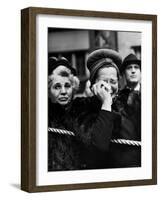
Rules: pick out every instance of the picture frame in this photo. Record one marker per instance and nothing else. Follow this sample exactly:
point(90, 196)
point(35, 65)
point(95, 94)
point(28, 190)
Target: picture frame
point(30, 43)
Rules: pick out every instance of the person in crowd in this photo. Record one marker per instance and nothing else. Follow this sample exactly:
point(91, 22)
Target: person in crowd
point(130, 96)
point(62, 84)
point(128, 104)
point(91, 132)
point(104, 65)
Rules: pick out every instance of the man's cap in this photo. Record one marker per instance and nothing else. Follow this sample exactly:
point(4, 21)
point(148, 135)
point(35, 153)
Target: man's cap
point(100, 58)
point(130, 59)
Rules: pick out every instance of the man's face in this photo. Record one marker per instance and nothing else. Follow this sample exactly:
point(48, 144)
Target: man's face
point(61, 90)
point(109, 75)
point(133, 73)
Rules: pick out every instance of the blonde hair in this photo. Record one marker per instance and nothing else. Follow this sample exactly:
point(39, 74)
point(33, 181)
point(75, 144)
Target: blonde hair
point(64, 72)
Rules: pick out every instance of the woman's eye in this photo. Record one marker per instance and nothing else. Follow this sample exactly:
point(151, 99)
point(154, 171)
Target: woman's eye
point(113, 82)
point(67, 85)
point(57, 87)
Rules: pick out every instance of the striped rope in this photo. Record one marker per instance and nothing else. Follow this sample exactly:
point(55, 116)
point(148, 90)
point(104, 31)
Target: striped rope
point(61, 131)
point(128, 142)
point(117, 141)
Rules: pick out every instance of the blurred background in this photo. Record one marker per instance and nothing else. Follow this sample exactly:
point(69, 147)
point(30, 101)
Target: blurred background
point(76, 44)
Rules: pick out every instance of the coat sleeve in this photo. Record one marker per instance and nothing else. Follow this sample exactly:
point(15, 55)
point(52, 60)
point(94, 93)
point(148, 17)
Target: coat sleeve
point(102, 129)
point(95, 127)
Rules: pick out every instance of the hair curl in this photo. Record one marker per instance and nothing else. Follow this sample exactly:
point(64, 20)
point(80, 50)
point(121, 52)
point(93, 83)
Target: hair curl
point(65, 73)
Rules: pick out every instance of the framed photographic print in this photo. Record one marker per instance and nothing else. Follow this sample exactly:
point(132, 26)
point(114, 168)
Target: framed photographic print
point(88, 99)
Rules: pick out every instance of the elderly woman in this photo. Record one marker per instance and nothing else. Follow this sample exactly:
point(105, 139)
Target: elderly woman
point(104, 67)
point(62, 84)
point(92, 131)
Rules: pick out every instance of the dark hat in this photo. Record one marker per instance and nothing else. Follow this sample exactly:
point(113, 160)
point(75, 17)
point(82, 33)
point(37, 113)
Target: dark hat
point(101, 57)
point(130, 59)
point(54, 62)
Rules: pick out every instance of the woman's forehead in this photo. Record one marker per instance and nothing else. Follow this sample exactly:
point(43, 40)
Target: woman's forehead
point(60, 79)
point(107, 72)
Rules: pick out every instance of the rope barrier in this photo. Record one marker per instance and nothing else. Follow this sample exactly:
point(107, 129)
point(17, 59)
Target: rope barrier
point(128, 142)
point(117, 141)
point(61, 131)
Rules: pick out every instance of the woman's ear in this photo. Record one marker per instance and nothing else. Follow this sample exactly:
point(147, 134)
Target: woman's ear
point(88, 89)
point(76, 83)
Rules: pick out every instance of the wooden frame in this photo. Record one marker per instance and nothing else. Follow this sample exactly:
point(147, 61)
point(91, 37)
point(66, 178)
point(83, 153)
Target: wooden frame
point(28, 98)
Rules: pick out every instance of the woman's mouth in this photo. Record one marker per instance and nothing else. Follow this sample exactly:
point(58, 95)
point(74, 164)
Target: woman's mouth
point(63, 99)
point(133, 76)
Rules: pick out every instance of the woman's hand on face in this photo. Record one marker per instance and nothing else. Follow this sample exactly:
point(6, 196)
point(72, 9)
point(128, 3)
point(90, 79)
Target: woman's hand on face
point(103, 91)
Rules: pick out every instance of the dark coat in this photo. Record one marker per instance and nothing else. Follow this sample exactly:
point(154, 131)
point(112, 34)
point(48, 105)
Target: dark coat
point(128, 104)
point(63, 149)
point(93, 128)
point(126, 111)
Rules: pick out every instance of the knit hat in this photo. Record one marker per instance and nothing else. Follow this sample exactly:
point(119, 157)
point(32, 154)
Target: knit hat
point(101, 58)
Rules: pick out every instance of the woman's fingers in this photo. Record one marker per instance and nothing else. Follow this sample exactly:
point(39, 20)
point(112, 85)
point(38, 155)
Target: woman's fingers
point(101, 85)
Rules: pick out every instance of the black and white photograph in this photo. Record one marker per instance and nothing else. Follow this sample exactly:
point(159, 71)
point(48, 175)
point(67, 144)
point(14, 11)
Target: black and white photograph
point(91, 86)
point(94, 99)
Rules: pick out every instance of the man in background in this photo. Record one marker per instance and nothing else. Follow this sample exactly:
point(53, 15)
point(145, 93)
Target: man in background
point(130, 96)
point(128, 104)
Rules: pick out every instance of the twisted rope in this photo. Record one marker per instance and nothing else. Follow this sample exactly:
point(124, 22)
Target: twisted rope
point(61, 131)
point(128, 142)
point(117, 141)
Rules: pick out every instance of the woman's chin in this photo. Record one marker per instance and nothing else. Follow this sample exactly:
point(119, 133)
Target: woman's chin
point(63, 103)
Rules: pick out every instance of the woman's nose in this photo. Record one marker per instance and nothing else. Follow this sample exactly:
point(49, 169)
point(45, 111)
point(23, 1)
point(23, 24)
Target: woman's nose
point(63, 90)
